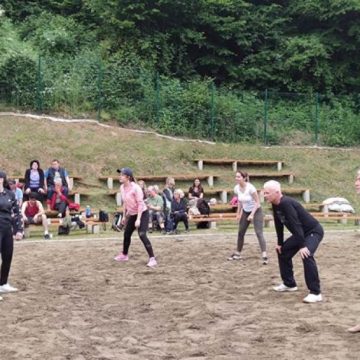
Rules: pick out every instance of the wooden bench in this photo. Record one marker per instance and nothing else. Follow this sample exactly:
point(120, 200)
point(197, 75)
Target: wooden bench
point(72, 179)
point(224, 192)
point(161, 178)
point(339, 217)
point(225, 217)
point(235, 163)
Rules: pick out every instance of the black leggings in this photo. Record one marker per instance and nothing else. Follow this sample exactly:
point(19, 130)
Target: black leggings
point(7, 249)
point(129, 229)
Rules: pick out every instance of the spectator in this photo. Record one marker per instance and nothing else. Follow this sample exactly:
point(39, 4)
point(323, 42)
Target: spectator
point(58, 200)
point(168, 194)
point(54, 173)
point(178, 210)
point(143, 187)
point(17, 191)
point(155, 204)
point(196, 191)
point(33, 213)
point(34, 179)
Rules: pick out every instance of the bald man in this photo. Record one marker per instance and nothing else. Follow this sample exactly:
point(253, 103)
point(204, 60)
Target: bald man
point(356, 328)
point(306, 234)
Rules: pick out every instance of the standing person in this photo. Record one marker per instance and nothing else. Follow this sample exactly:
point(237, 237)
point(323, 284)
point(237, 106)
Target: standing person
point(9, 217)
point(249, 210)
point(168, 194)
point(305, 239)
point(136, 215)
point(356, 328)
point(34, 179)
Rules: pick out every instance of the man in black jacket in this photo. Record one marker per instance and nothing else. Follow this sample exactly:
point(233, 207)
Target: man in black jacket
point(306, 236)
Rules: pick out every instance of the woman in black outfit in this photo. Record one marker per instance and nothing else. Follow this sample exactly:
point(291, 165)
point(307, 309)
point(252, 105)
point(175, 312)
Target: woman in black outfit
point(9, 216)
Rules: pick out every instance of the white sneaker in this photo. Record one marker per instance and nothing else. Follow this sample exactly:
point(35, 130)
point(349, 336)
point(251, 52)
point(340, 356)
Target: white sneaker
point(312, 298)
point(1, 298)
point(284, 288)
point(152, 262)
point(7, 288)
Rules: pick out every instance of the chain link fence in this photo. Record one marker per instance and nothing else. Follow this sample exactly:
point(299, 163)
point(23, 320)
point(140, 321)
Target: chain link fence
point(134, 96)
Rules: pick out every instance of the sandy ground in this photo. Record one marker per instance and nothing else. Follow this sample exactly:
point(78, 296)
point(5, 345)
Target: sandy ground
point(75, 302)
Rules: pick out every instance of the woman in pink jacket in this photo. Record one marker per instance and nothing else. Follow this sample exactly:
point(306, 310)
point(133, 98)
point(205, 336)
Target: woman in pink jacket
point(136, 215)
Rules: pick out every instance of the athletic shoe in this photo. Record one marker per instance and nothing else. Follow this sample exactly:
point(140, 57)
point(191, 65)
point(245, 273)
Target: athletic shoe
point(150, 230)
point(312, 298)
point(46, 237)
point(152, 262)
point(1, 298)
point(235, 256)
point(354, 329)
point(284, 288)
point(7, 288)
point(121, 257)
point(265, 260)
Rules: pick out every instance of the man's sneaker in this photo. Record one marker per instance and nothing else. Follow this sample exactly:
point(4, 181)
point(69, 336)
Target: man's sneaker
point(235, 256)
point(121, 257)
point(312, 298)
point(7, 288)
point(284, 288)
point(265, 260)
point(152, 262)
point(46, 237)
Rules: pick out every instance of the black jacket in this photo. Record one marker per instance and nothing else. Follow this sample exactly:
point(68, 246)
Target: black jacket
point(10, 215)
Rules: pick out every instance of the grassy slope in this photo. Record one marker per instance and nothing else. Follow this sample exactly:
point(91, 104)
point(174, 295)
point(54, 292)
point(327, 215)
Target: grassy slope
point(89, 150)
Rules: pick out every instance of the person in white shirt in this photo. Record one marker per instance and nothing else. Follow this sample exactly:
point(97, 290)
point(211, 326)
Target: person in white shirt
point(249, 210)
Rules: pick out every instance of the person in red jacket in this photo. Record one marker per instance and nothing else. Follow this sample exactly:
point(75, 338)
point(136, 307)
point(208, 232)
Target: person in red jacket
point(58, 200)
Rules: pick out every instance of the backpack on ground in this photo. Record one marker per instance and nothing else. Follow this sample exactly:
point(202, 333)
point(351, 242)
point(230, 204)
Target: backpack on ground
point(116, 223)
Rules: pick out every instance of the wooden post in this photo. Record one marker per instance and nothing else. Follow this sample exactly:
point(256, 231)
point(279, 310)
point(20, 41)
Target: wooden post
point(110, 183)
point(279, 165)
point(210, 180)
point(234, 166)
point(200, 165)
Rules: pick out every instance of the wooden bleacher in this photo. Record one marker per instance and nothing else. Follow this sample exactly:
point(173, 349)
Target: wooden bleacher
point(161, 178)
point(236, 163)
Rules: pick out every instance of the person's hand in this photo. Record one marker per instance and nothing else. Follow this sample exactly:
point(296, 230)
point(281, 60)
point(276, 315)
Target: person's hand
point(18, 236)
point(278, 249)
point(238, 216)
point(41, 191)
point(304, 252)
point(250, 218)
point(25, 218)
point(137, 223)
point(27, 191)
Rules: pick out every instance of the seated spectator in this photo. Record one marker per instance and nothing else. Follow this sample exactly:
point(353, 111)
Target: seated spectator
point(155, 204)
point(142, 185)
point(34, 180)
point(196, 192)
point(54, 173)
point(33, 213)
point(178, 210)
point(17, 191)
point(58, 199)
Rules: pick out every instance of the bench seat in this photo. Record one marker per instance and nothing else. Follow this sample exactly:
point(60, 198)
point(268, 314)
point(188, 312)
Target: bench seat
point(235, 163)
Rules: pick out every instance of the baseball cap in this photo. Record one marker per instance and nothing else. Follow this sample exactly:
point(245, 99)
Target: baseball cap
point(125, 171)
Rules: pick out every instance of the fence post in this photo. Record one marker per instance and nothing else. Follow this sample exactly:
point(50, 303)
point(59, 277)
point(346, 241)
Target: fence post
point(317, 118)
point(212, 113)
point(39, 99)
point(99, 91)
point(157, 98)
point(266, 95)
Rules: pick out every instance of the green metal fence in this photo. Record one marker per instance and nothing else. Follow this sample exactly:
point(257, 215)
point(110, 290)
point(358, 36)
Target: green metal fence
point(88, 87)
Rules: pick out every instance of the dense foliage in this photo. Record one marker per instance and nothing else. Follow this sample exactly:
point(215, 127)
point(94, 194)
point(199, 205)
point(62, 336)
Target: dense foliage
point(156, 63)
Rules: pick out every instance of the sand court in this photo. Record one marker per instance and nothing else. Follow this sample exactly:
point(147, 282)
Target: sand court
point(76, 303)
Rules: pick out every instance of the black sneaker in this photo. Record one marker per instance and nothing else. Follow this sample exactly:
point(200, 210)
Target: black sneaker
point(46, 237)
point(265, 260)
